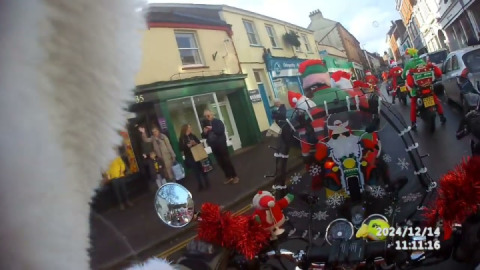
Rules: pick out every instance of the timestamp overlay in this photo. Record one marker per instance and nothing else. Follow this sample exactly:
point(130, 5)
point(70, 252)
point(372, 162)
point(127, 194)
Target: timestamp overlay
point(408, 232)
point(417, 245)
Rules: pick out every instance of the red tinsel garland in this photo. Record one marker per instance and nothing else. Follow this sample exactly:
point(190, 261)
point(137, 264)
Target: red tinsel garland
point(241, 233)
point(458, 196)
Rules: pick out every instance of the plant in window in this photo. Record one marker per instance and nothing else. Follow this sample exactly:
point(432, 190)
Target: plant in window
point(292, 38)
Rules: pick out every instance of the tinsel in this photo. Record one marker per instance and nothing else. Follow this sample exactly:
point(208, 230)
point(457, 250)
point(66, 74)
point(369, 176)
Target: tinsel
point(458, 196)
point(241, 233)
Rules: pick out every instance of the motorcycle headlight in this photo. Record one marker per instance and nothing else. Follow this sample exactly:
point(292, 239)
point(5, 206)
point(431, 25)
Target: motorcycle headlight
point(349, 163)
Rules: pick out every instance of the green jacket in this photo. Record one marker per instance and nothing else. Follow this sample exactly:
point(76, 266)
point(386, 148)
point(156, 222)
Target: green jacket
point(413, 63)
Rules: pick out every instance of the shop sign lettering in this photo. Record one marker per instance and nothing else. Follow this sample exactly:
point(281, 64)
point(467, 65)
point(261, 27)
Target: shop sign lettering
point(139, 98)
point(255, 96)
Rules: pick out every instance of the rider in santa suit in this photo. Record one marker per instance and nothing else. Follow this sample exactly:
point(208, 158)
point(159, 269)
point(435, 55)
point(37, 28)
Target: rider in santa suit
point(395, 74)
point(416, 62)
point(371, 79)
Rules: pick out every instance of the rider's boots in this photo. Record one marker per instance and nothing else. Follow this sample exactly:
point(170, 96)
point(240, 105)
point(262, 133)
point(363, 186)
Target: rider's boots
point(443, 119)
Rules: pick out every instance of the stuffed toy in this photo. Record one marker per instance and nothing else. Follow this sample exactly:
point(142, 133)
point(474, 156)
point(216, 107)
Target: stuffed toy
point(269, 213)
point(342, 80)
point(299, 101)
point(67, 73)
point(376, 229)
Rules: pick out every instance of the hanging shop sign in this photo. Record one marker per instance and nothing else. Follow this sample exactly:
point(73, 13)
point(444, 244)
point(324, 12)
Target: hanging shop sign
point(283, 67)
point(255, 96)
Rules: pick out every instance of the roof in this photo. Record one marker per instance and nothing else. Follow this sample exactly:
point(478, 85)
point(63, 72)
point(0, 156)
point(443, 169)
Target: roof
point(185, 15)
point(209, 9)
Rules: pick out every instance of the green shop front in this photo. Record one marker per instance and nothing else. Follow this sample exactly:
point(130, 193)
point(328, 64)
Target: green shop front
point(169, 105)
point(284, 76)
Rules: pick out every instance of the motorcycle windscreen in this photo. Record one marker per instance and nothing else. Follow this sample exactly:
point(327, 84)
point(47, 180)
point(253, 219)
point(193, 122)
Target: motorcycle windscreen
point(358, 168)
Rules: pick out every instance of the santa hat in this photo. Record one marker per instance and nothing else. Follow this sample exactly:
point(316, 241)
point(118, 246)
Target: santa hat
point(293, 98)
point(338, 75)
point(313, 71)
point(368, 73)
point(263, 200)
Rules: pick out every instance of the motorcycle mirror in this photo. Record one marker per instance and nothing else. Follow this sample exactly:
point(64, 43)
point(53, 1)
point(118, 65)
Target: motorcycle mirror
point(174, 205)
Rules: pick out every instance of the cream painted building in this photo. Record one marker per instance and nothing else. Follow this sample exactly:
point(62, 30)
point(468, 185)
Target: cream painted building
point(270, 63)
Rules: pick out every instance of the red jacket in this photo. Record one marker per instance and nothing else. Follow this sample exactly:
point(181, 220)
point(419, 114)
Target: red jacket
point(371, 79)
point(395, 73)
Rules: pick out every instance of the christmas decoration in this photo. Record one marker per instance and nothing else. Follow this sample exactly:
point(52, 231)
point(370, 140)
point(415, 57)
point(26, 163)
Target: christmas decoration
point(411, 197)
point(241, 233)
point(391, 210)
point(320, 215)
point(268, 212)
point(296, 178)
point(458, 196)
point(298, 214)
point(317, 235)
point(292, 232)
point(299, 101)
point(387, 158)
point(342, 80)
point(335, 200)
point(315, 170)
point(377, 192)
point(403, 164)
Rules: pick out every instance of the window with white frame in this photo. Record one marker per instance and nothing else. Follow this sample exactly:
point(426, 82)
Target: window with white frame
point(307, 44)
point(299, 48)
point(188, 48)
point(251, 32)
point(272, 35)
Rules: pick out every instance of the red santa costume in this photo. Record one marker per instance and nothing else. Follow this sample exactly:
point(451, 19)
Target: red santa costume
point(269, 212)
point(371, 79)
point(395, 74)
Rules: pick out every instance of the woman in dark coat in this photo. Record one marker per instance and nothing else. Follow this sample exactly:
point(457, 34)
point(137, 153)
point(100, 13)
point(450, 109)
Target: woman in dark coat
point(187, 140)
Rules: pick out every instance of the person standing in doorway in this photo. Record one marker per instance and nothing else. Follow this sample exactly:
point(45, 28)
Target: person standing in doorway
point(163, 149)
point(116, 174)
point(214, 132)
point(188, 140)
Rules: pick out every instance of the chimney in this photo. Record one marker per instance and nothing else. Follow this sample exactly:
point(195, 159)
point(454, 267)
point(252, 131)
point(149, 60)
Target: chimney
point(316, 14)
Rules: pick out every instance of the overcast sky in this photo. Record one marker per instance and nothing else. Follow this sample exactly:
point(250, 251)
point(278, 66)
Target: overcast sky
point(357, 16)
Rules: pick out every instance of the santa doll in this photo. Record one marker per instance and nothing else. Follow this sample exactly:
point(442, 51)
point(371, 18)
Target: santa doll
point(269, 212)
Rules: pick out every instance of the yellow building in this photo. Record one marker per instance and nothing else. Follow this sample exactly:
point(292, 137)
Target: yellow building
point(269, 61)
point(190, 64)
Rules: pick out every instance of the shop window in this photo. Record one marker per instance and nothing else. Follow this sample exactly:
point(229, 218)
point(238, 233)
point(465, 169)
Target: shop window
point(283, 85)
point(182, 112)
point(251, 33)
point(272, 35)
point(307, 44)
point(189, 49)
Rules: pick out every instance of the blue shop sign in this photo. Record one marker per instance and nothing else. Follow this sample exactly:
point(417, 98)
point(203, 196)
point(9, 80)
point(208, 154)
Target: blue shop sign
point(283, 67)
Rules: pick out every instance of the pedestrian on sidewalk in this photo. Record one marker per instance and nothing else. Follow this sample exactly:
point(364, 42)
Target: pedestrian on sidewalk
point(214, 132)
point(279, 115)
point(116, 175)
point(187, 140)
point(156, 169)
point(163, 149)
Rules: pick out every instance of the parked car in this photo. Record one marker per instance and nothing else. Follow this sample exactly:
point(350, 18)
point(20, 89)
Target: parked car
point(437, 58)
point(456, 63)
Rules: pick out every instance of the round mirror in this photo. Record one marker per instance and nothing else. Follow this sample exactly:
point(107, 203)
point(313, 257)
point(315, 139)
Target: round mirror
point(174, 205)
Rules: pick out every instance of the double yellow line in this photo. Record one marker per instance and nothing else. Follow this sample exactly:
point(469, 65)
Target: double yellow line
point(182, 244)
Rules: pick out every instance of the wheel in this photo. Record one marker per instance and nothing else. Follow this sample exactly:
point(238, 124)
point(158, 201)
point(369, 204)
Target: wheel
point(354, 189)
point(432, 122)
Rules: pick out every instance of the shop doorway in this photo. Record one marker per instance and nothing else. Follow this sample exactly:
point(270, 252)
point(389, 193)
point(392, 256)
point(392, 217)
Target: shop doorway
point(231, 129)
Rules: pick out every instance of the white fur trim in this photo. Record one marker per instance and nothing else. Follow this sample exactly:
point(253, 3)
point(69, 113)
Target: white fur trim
point(153, 264)
point(257, 197)
point(294, 100)
point(271, 204)
point(67, 73)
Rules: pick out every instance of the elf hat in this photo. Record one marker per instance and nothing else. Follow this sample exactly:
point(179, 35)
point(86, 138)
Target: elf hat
point(263, 199)
point(314, 72)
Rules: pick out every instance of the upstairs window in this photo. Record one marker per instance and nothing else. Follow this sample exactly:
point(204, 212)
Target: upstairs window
point(272, 35)
point(188, 48)
point(307, 44)
point(251, 33)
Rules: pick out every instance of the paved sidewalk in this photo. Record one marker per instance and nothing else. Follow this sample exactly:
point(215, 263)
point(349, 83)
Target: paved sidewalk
point(138, 228)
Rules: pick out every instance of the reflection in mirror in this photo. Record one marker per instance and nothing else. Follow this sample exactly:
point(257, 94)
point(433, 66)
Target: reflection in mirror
point(174, 205)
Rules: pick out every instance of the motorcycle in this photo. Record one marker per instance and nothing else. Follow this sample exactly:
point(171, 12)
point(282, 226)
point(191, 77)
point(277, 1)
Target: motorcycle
point(403, 247)
point(426, 107)
point(402, 93)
